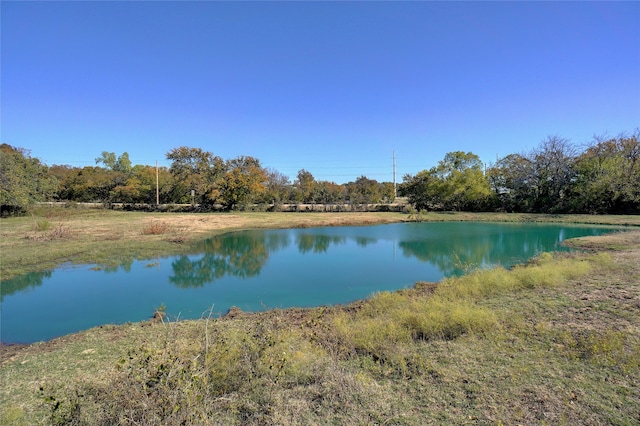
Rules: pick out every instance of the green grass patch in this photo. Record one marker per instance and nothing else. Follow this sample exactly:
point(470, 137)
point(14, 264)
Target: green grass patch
point(389, 321)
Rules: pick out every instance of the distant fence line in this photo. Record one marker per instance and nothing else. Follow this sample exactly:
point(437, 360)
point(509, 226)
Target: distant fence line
point(298, 207)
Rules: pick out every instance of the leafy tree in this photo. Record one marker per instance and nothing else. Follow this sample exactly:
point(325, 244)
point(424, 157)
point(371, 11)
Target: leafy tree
point(197, 170)
point(421, 190)
point(305, 185)
point(630, 150)
point(64, 175)
point(387, 191)
point(456, 183)
point(364, 191)
point(243, 183)
point(23, 180)
point(117, 164)
point(608, 176)
point(91, 184)
point(132, 191)
point(329, 192)
point(463, 185)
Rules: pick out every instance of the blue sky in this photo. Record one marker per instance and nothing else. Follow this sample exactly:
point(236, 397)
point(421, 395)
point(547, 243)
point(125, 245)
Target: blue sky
point(331, 87)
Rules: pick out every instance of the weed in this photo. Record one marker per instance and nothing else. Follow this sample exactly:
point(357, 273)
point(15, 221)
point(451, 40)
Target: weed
point(608, 347)
point(160, 313)
point(42, 225)
point(155, 227)
point(61, 232)
point(13, 416)
point(416, 215)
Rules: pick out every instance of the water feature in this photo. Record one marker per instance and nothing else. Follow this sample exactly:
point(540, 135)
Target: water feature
point(256, 270)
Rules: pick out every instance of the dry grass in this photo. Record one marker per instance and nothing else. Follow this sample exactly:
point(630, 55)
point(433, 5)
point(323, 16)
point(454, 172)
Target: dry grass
point(155, 227)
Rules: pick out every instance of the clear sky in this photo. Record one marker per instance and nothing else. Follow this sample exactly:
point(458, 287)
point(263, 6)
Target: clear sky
point(332, 87)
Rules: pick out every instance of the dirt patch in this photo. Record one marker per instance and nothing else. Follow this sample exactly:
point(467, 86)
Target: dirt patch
point(9, 353)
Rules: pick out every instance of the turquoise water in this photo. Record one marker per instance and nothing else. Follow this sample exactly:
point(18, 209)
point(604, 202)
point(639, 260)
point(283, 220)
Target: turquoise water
point(257, 270)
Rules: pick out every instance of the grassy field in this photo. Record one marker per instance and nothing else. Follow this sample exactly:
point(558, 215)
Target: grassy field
point(556, 341)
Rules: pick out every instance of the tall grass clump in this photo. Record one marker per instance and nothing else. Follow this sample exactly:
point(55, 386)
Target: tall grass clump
point(387, 323)
point(477, 284)
point(155, 227)
point(547, 270)
point(42, 225)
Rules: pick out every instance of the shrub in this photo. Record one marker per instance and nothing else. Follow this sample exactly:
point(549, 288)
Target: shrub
point(292, 360)
point(42, 225)
point(155, 227)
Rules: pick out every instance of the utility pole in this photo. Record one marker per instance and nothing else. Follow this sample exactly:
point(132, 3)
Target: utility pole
point(157, 186)
point(394, 174)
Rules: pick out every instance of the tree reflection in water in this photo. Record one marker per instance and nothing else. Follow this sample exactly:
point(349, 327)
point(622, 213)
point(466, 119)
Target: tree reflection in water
point(22, 283)
point(317, 243)
point(453, 248)
point(240, 255)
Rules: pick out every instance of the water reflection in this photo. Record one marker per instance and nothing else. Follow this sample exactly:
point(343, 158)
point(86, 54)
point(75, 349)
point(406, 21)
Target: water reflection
point(23, 283)
point(256, 270)
point(239, 255)
point(456, 248)
point(451, 247)
point(317, 243)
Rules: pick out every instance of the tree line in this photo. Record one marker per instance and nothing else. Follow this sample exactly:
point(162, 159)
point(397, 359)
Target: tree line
point(555, 177)
point(195, 176)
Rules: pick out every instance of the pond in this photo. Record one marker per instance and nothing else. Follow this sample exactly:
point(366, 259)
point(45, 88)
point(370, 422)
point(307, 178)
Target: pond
point(264, 269)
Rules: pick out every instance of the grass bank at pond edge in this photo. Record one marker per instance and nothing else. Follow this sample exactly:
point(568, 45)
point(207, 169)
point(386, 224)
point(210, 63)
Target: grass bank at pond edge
point(555, 341)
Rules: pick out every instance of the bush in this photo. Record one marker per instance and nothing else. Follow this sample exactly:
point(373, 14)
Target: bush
point(155, 227)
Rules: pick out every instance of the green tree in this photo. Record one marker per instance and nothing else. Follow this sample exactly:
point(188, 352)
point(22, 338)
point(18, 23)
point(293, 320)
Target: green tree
point(421, 189)
point(608, 176)
point(244, 182)
point(329, 192)
point(512, 180)
point(458, 182)
point(463, 185)
point(305, 185)
point(387, 191)
point(197, 170)
point(64, 175)
point(23, 180)
point(364, 191)
point(91, 184)
point(117, 164)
